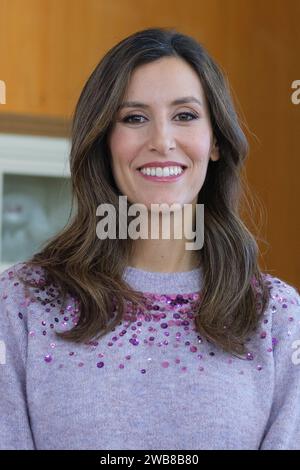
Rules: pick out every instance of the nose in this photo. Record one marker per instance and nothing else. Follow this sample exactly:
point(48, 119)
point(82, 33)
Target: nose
point(161, 138)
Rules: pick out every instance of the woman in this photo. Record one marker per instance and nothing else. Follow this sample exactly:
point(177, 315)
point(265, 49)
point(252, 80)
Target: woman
point(141, 343)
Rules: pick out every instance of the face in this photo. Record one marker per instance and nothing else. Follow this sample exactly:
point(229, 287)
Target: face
point(156, 131)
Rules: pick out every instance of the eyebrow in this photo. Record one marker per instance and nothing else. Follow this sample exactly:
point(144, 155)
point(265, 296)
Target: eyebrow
point(138, 104)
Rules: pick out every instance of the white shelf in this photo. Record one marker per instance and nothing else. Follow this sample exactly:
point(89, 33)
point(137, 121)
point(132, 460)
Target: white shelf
point(35, 193)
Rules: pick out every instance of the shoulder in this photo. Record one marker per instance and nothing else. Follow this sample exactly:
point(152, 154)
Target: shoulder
point(283, 312)
point(11, 286)
point(284, 298)
point(15, 278)
point(20, 285)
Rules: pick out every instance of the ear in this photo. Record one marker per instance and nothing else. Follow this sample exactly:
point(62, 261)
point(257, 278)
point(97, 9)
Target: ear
point(215, 154)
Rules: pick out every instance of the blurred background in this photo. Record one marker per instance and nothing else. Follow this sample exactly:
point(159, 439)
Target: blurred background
point(48, 48)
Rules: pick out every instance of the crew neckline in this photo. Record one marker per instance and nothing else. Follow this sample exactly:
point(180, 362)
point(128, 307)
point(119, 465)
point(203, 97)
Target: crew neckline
point(183, 282)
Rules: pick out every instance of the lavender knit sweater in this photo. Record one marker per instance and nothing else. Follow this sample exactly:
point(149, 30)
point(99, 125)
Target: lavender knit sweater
point(153, 384)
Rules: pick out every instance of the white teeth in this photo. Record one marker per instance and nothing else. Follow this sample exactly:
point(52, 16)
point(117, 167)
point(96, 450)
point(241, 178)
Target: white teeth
point(166, 171)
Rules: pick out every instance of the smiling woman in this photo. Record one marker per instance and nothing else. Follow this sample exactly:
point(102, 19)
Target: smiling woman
point(163, 124)
point(153, 346)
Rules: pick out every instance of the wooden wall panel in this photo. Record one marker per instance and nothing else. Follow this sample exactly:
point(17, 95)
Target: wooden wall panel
point(48, 48)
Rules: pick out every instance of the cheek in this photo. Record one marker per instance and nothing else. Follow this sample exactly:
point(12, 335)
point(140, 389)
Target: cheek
point(199, 151)
point(197, 144)
point(122, 147)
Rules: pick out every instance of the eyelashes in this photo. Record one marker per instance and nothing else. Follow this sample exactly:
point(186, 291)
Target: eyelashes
point(131, 116)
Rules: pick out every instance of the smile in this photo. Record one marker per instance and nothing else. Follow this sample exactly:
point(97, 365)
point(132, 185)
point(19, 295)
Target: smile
point(166, 174)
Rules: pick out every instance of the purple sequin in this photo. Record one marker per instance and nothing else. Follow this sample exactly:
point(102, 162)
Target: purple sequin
point(166, 322)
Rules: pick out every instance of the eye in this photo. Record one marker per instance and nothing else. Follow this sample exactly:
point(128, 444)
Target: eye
point(135, 118)
point(131, 116)
point(192, 115)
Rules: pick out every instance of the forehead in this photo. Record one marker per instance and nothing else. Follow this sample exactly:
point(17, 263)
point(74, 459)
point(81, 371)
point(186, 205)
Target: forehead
point(169, 77)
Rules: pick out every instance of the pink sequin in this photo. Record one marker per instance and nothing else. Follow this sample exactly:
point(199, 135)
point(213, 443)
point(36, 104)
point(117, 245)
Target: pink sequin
point(166, 322)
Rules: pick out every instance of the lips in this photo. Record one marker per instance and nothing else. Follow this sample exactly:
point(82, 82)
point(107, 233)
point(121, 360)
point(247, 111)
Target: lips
point(151, 165)
point(162, 179)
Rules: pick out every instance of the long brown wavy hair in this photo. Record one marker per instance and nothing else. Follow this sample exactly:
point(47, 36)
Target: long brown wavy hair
point(234, 292)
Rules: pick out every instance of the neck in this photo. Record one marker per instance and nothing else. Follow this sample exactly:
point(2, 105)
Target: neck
point(166, 251)
point(164, 256)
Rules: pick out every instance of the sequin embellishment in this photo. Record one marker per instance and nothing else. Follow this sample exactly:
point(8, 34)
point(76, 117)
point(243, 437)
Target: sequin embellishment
point(166, 323)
